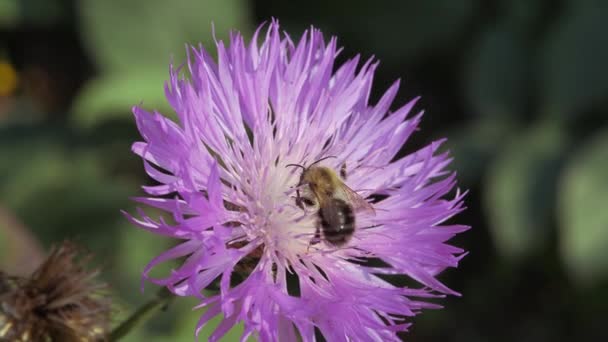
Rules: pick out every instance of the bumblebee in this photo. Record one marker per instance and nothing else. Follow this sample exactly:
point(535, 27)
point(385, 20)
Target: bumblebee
point(336, 202)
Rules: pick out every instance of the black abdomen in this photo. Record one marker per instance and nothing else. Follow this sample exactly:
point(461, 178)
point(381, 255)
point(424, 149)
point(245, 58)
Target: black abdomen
point(337, 222)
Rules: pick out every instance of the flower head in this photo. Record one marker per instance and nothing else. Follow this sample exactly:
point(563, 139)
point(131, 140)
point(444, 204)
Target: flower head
point(60, 301)
point(239, 208)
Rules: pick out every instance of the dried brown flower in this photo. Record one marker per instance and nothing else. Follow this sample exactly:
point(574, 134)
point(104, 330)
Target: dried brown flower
point(60, 301)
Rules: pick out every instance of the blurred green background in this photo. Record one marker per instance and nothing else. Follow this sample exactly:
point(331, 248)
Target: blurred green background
point(519, 87)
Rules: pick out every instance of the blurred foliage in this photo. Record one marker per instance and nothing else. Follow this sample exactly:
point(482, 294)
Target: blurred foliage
point(44, 174)
point(134, 61)
point(15, 13)
point(583, 215)
point(107, 96)
point(498, 81)
point(473, 146)
point(519, 182)
point(519, 87)
point(573, 62)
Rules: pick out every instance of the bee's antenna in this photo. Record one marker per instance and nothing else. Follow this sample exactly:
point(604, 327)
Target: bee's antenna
point(322, 159)
point(298, 165)
point(318, 161)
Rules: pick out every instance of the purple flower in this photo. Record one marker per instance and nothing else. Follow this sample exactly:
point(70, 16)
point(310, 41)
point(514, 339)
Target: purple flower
point(224, 177)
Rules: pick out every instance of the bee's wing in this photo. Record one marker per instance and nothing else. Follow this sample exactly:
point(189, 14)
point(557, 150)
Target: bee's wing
point(357, 201)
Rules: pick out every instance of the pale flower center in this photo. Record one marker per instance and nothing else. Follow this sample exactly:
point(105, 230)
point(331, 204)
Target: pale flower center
point(284, 226)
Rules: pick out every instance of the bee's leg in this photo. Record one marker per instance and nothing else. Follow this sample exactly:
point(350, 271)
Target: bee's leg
point(303, 202)
point(343, 171)
point(299, 201)
point(315, 240)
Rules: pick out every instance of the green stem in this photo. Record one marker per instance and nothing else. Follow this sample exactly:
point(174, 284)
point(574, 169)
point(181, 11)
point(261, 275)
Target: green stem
point(162, 299)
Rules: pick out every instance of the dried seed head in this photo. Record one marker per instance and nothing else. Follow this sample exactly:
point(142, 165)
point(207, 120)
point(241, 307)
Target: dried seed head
point(60, 301)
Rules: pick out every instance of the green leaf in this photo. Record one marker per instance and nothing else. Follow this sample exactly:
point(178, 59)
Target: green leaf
point(497, 79)
point(574, 69)
point(45, 167)
point(9, 13)
point(59, 194)
point(520, 189)
point(583, 218)
point(474, 145)
point(124, 34)
point(14, 13)
point(112, 95)
point(133, 43)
